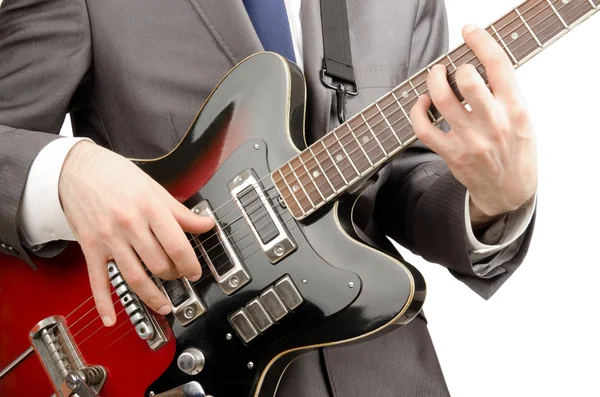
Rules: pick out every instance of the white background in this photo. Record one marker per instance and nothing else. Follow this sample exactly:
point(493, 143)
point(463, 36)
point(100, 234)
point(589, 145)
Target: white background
point(539, 335)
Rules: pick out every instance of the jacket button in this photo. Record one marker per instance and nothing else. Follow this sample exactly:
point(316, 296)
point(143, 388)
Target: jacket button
point(2, 245)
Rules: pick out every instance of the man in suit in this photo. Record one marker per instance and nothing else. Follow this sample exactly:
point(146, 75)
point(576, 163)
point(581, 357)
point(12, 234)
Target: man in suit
point(133, 74)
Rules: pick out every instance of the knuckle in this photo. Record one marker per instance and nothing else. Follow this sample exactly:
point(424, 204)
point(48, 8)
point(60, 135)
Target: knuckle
point(96, 282)
point(443, 100)
point(175, 249)
point(467, 78)
point(135, 279)
point(161, 269)
point(87, 238)
point(105, 230)
point(481, 149)
point(123, 217)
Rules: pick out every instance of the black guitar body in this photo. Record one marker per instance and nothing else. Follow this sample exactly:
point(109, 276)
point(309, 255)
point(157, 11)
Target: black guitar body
point(253, 120)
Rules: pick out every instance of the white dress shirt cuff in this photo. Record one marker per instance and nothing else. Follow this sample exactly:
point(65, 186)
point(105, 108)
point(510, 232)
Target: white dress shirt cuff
point(513, 226)
point(41, 217)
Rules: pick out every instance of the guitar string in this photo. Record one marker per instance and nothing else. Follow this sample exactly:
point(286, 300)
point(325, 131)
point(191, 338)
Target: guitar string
point(125, 320)
point(413, 99)
point(364, 131)
point(302, 167)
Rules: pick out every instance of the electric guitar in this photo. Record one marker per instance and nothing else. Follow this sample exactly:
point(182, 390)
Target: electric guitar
point(285, 271)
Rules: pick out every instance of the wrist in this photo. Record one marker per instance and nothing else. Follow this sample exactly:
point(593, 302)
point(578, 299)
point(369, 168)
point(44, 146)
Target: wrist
point(481, 219)
point(74, 162)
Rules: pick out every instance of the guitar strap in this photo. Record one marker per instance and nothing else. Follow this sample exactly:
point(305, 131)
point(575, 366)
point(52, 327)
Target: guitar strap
point(337, 72)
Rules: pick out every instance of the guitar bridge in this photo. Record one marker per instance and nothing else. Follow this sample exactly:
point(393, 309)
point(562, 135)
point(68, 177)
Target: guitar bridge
point(61, 359)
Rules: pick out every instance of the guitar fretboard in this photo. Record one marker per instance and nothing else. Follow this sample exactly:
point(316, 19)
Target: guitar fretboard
point(360, 146)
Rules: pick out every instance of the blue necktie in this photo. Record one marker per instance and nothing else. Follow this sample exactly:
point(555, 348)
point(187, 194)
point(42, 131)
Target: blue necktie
point(271, 23)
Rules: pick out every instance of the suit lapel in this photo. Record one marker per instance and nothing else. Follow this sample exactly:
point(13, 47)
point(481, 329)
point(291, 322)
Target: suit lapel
point(319, 97)
point(229, 23)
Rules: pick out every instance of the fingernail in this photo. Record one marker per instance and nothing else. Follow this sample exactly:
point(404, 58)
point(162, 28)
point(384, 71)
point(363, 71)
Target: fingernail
point(195, 278)
point(470, 28)
point(107, 320)
point(166, 309)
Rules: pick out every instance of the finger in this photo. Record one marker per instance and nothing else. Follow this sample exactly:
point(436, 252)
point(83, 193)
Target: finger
point(152, 253)
point(100, 284)
point(189, 221)
point(430, 135)
point(500, 71)
point(175, 243)
point(444, 98)
point(138, 280)
point(474, 90)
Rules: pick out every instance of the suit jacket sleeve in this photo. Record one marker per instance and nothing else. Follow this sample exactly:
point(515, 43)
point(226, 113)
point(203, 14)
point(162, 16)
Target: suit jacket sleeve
point(45, 57)
point(418, 202)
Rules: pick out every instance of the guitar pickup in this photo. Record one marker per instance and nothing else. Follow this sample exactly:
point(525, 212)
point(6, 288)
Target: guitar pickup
point(258, 211)
point(218, 253)
point(187, 307)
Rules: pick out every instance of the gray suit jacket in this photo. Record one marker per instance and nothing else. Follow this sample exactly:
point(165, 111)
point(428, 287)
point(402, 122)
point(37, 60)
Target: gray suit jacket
point(133, 74)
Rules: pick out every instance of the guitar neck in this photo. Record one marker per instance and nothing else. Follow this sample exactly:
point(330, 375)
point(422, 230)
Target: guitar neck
point(360, 146)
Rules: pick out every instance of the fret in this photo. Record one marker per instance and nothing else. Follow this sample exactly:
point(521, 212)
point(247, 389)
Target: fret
point(459, 55)
point(557, 14)
point(388, 123)
point(516, 35)
point(401, 108)
point(395, 113)
point(291, 192)
point(346, 153)
point(358, 146)
point(451, 62)
point(318, 173)
point(355, 150)
point(544, 22)
point(320, 180)
point(510, 54)
point(365, 138)
point(300, 182)
point(405, 102)
point(528, 28)
point(429, 113)
point(385, 136)
point(574, 10)
point(307, 181)
point(335, 160)
point(329, 167)
point(594, 5)
point(373, 133)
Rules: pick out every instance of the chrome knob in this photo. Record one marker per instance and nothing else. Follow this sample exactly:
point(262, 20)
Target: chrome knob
point(191, 361)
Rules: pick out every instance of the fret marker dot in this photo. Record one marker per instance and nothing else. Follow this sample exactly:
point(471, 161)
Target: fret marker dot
point(339, 157)
point(295, 188)
point(514, 36)
point(365, 139)
point(405, 94)
point(315, 173)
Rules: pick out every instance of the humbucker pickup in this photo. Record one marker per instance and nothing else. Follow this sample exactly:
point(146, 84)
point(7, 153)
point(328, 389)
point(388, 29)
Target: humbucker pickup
point(220, 256)
point(258, 211)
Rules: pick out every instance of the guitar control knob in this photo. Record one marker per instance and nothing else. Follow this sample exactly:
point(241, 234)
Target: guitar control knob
point(191, 361)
